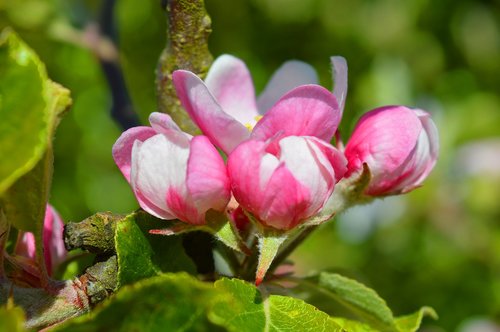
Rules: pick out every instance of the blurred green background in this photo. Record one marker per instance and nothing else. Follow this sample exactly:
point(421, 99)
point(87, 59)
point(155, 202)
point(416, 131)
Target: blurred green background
point(437, 246)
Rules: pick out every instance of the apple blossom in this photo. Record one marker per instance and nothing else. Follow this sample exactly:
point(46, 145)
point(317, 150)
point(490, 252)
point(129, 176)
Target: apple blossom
point(282, 182)
point(52, 237)
point(400, 146)
point(173, 175)
point(224, 107)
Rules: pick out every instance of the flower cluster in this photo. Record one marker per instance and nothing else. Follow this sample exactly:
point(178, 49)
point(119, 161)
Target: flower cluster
point(281, 168)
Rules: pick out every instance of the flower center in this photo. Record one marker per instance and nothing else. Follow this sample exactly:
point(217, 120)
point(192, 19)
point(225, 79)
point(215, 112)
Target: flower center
point(251, 125)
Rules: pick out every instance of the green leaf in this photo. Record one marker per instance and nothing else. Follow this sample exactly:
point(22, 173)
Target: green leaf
point(353, 325)
point(29, 106)
point(142, 255)
point(170, 302)
point(363, 301)
point(248, 309)
point(11, 319)
point(411, 323)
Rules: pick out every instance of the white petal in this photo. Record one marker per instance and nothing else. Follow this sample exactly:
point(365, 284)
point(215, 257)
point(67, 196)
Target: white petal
point(339, 68)
point(268, 165)
point(158, 164)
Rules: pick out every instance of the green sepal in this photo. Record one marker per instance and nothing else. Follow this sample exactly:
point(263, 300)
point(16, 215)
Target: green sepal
point(347, 192)
point(269, 245)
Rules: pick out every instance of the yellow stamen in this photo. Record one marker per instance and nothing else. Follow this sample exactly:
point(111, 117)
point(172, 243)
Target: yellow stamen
point(250, 126)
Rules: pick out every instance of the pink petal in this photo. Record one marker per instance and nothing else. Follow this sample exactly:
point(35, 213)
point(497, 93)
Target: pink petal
point(25, 245)
point(207, 179)
point(122, 149)
point(424, 156)
point(163, 124)
point(285, 200)
point(181, 205)
point(230, 83)
point(309, 110)
point(222, 129)
point(53, 243)
point(289, 76)
point(339, 66)
point(243, 166)
point(52, 237)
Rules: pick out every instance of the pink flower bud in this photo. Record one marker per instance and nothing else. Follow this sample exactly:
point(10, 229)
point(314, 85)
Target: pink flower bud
point(53, 243)
point(173, 175)
point(282, 182)
point(400, 146)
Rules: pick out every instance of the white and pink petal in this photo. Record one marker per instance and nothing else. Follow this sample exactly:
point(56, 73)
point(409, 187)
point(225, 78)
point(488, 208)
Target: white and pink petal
point(223, 130)
point(157, 165)
point(231, 84)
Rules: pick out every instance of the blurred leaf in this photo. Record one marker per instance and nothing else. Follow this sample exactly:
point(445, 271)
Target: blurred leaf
point(11, 319)
point(249, 309)
point(411, 323)
point(31, 106)
point(139, 53)
point(360, 299)
point(367, 304)
point(142, 255)
point(170, 302)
